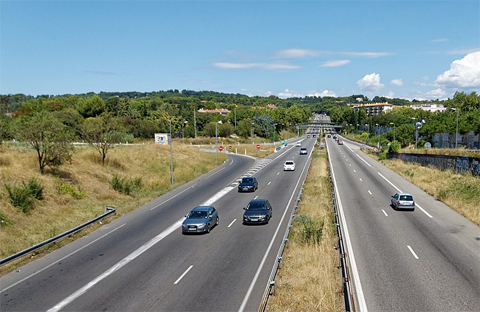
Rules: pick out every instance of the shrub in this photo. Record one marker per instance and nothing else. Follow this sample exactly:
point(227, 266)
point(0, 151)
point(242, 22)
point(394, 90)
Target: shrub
point(124, 185)
point(4, 221)
point(23, 196)
point(310, 230)
point(394, 147)
point(65, 188)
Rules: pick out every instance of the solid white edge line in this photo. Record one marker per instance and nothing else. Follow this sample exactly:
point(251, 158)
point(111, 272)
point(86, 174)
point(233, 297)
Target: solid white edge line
point(356, 277)
point(260, 267)
point(116, 267)
point(423, 210)
point(413, 252)
point(183, 275)
point(231, 223)
point(363, 160)
point(61, 259)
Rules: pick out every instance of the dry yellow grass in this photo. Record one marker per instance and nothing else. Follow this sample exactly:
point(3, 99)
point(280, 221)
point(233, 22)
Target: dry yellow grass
point(458, 191)
point(59, 212)
point(309, 279)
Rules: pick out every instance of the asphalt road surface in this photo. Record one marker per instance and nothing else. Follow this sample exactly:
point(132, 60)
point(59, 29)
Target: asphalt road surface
point(425, 260)
point(142, 262)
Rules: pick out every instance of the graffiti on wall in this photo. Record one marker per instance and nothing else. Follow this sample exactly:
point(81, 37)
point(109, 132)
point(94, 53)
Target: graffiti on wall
point(455, 163)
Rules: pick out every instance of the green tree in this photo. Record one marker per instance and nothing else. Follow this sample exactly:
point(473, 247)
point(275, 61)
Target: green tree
point(49, 137)
point(102, 132)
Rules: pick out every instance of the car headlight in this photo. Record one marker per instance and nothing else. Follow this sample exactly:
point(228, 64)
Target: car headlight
point(201, 225)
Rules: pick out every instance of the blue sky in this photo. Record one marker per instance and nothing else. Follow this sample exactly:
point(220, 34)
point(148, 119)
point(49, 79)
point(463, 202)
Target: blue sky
point(400, 49)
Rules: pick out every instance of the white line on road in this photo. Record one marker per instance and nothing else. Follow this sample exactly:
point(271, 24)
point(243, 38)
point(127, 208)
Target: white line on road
point(183, 275)
point(413, 252)
point(369, 192)
point(231, 223)
point(363, 160)
point(385, 213)
point(423, 210)
point(269, 183)
point(62, 304)
point(360, 179)
point(354, 170)
point(53, 263)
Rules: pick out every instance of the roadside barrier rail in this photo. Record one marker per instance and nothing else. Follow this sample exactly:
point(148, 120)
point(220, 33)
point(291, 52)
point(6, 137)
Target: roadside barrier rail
point(108, 211)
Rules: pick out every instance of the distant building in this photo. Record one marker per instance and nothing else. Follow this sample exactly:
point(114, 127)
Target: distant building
point(221, 111)
point(429, 107)
point(374, 108)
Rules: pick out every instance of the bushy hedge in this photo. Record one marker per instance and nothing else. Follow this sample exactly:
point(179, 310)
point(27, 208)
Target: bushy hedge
point(124, 185)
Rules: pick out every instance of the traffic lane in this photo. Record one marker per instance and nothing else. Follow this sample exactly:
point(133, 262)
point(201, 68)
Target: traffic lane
point(454, 281)
point(235, 261)
point(72, 272)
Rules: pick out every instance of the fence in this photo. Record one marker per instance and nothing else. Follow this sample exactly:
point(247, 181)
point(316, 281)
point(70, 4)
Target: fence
point(458, 164)
point(108, 211)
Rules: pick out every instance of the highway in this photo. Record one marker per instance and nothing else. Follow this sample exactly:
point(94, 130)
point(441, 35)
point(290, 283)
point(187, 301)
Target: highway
point(425, 260)
point(142, 262)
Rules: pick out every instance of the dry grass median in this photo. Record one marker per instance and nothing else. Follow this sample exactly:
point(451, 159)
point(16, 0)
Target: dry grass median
point(309, 279)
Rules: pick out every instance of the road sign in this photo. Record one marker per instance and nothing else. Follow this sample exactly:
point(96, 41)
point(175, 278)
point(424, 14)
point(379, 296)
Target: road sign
point(258, 146)
point(220, 148)
point(229, 147)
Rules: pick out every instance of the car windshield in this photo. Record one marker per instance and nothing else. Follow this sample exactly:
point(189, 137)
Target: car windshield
point(197, 215)
point(247, 180)
point(256, 206)
point(406, 197)
point(289, 163)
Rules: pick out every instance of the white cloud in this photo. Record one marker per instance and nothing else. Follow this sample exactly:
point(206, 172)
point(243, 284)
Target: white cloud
point(367, 54)
point(289, 93)
point(464, 73)
point(435, 94)
point(397, 82)
point(297, 53)
point(323, 94)
point(336, 63)
point(370, 82)
point(268, 66)
point(440, 40)
point(464, 51)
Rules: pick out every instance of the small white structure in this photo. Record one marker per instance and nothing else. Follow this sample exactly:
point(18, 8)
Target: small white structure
point(162, 138)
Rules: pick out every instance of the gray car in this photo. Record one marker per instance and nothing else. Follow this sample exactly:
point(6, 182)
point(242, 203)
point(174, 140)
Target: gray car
point(257, 211)
point(402, 201)
point(200, 220)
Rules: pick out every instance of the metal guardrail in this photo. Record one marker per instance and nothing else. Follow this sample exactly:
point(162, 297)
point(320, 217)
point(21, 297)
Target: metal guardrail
point(343, 265)
point(108, 211)
point(271, 285)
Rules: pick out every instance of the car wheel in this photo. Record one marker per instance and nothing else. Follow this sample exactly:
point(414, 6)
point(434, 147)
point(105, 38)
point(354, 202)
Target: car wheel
point(216, 222)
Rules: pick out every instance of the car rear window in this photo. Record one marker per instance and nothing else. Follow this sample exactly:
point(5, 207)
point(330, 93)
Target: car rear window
point(406, 197)
point(289, 162)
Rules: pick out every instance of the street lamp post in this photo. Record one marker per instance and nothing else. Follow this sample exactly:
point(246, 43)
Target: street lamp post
point(456, 129)
point(274, 130)
point(183, 131)
point(378, 130)
point(416, 132)
point(171, 153)
point(392, 123)
point(216, 140)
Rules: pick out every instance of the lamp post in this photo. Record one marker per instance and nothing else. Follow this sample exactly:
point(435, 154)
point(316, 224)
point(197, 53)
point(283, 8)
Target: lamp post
point(378, 130)
point(171, 153)
point(274, 130)
point(251, 131)
point(216, 140)
point(456, 129)
point(392, 123)
point(183, 131)
point(416, 132)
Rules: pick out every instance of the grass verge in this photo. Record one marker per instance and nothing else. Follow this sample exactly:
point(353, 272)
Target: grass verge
point(77, 192)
